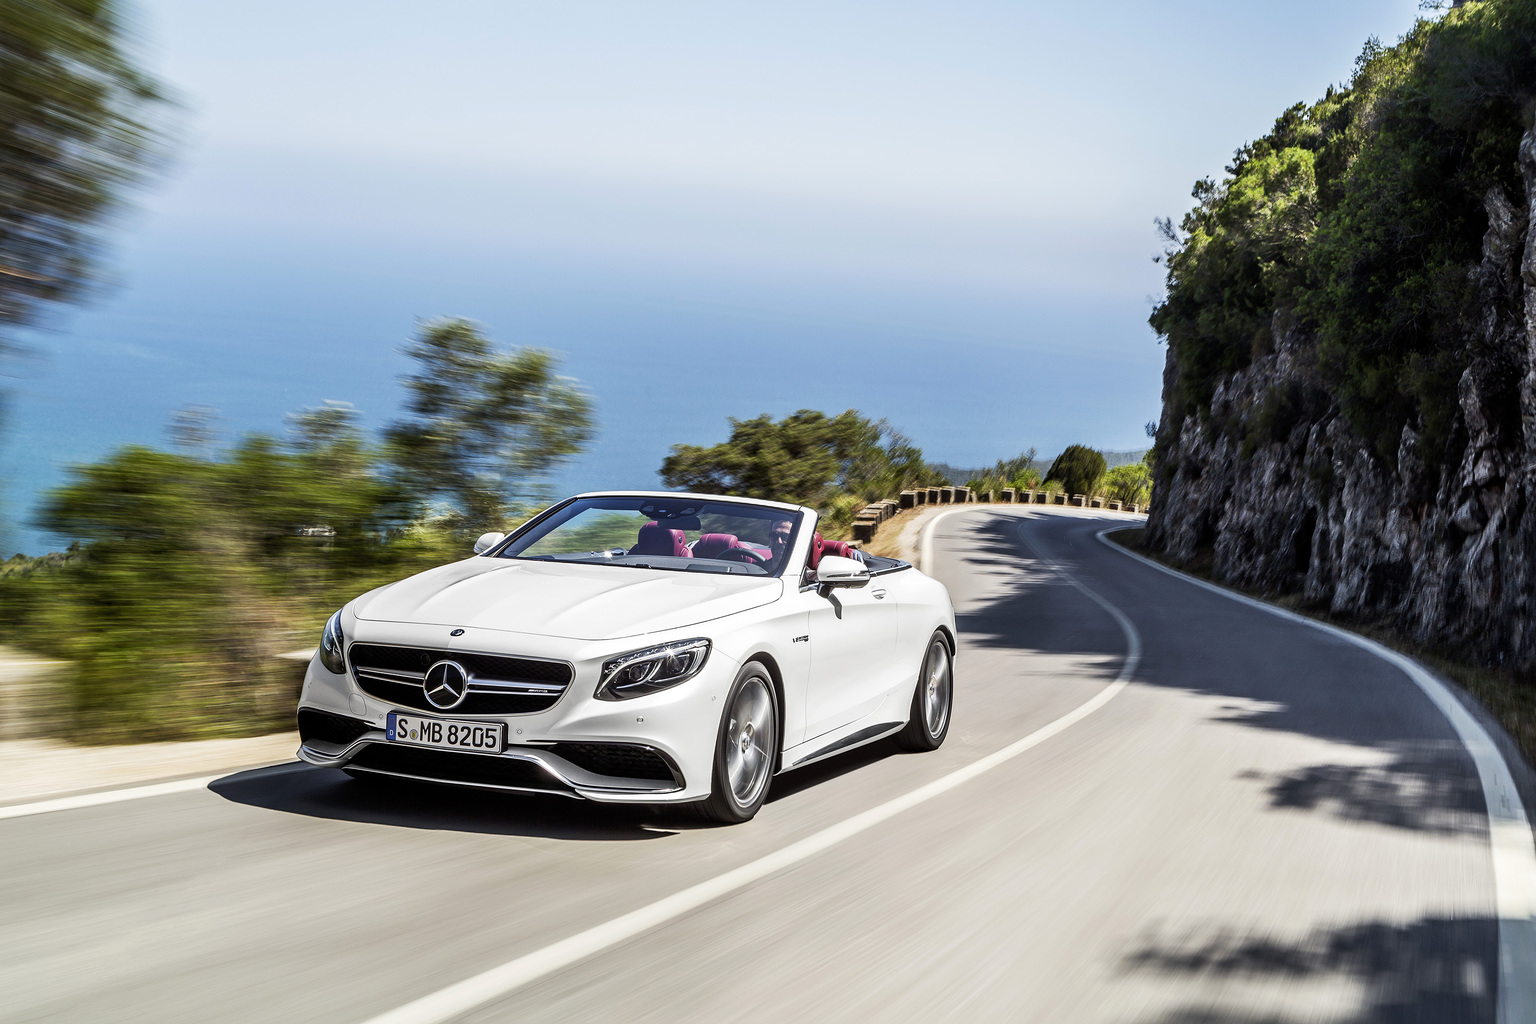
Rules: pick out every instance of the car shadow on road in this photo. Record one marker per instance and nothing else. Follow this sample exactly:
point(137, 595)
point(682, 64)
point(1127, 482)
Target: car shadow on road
point(801, 779)
point(399, 803)
point(1434, 970)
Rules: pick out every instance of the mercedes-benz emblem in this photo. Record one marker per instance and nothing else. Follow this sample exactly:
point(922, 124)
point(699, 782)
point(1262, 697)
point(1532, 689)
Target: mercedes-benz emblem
point(446, 684)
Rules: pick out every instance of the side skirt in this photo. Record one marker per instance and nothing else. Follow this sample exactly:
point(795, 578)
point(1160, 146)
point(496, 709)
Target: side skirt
point(854, 739)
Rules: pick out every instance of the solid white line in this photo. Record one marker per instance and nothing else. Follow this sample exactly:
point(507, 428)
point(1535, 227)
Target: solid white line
point(111, 796)
point(497, 982)
point(925, 549)
point(1513, 848)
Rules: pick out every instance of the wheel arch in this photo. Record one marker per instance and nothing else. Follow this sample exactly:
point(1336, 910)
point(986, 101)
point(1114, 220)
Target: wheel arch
point(949, 638)
point(775, 676)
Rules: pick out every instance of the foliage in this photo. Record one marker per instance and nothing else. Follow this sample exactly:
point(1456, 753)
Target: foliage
point(1079, 469)
point(1130, 484)
point(1017, 472)
point(197, 572)
point(808, 458)
point(75, 131)
point(485, 425)
point(1359, 219)
point(198, 568)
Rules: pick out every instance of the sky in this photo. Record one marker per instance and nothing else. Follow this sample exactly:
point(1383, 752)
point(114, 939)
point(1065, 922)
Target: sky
point(939, 214)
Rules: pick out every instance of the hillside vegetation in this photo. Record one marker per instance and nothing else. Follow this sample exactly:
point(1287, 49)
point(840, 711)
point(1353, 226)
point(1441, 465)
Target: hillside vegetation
point(1359, 220)
point(1350, 394)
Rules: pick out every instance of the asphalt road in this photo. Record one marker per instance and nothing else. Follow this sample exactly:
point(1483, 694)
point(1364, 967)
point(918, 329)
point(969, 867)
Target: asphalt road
point(1265, 824)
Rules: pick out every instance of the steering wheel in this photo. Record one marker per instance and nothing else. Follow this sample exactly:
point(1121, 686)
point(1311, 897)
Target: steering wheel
point(744, 554)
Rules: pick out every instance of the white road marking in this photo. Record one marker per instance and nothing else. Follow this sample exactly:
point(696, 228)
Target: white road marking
point(112, 796)
point(1513, 848)
point(460, 998)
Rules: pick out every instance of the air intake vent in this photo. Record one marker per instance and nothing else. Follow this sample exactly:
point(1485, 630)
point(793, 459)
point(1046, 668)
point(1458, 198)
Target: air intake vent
point(618, 760)
point(329, 728)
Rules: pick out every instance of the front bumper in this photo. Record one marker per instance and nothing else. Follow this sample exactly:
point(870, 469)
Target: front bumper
point(579, 747)
point(524, 769)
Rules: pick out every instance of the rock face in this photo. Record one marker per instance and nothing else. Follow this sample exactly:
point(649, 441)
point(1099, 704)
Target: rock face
point(1281, 494)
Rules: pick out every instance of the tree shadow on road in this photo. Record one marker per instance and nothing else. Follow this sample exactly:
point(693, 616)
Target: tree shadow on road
point(1425, 788)
point(1279, 676)
point(400, 803)
point(1435, 970)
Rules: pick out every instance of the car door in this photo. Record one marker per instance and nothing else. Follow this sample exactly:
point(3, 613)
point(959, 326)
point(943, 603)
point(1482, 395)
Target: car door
point(853, 634)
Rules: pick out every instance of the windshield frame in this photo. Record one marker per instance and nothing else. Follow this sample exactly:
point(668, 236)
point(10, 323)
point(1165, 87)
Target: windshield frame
point(796, 515)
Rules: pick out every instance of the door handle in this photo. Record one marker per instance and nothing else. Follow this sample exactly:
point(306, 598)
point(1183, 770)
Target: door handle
point(879, 595)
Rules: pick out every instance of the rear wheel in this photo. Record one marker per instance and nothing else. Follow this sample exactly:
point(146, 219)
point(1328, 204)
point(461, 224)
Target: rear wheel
point(932, 701)
point(745, 748)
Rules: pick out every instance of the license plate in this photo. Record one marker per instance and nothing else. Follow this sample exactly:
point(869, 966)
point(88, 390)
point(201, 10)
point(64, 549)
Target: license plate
point(484, 737)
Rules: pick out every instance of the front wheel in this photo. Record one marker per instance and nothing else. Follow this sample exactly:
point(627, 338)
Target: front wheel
point(745, 749)
point(928, 723)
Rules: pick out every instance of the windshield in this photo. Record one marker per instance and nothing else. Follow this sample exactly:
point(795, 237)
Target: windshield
point(681, 534)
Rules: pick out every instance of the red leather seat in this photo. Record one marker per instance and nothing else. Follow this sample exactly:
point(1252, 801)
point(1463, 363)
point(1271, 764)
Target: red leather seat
point(840, 548)
point(655, 539)
point(710, 545)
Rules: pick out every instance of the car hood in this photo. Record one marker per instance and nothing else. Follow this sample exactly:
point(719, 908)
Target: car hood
point(565, 599)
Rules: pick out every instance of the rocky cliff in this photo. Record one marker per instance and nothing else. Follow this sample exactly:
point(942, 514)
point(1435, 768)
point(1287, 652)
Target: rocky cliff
point(1272, 483)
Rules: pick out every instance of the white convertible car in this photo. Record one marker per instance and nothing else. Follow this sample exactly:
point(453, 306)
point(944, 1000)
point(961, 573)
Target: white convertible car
point(635, 648)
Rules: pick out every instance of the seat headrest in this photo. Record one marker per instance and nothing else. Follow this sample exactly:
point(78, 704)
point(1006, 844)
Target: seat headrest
point(840, 548)
point(813, 559)
point(710, 545)
point(655, 539)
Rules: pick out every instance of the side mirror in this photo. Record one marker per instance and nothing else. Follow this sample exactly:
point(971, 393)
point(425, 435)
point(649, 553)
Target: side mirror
point(488, 541)
point(836, 571)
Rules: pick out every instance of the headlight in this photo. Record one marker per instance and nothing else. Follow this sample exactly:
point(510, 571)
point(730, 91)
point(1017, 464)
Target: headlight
point(333, 646)
point(655, 668)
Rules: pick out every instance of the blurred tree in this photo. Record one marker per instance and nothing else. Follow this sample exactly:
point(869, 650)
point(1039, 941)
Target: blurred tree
point(808, 458)
point(1131, 483)
point(75, 131)
point(193, 428)
point(1079, 469)
point(1017, 472)
point(485, 425)
point(207, 566)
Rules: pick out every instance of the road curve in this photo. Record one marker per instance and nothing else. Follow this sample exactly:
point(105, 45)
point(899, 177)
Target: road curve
point(1266, 823)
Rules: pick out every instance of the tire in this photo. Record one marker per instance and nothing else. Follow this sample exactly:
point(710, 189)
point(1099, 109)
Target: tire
point(932, 701)
point(746, 748)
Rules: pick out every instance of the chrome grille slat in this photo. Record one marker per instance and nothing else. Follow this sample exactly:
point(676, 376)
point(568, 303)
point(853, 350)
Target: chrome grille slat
point(393, 674)
point(497, 685)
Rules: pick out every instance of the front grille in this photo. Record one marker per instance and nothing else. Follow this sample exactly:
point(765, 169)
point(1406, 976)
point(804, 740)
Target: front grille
point(322, 725)
point(490, 666)
point(620, 760)
point(498, 685)
point(449, 766)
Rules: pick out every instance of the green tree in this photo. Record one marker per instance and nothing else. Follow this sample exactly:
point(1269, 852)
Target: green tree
point(1358, 223)
point(485, 425)
point(808, 458)
point(1079, 469)
point(1130, 484)
point(76, 130)
point(207, 566)
point(1017, 472)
